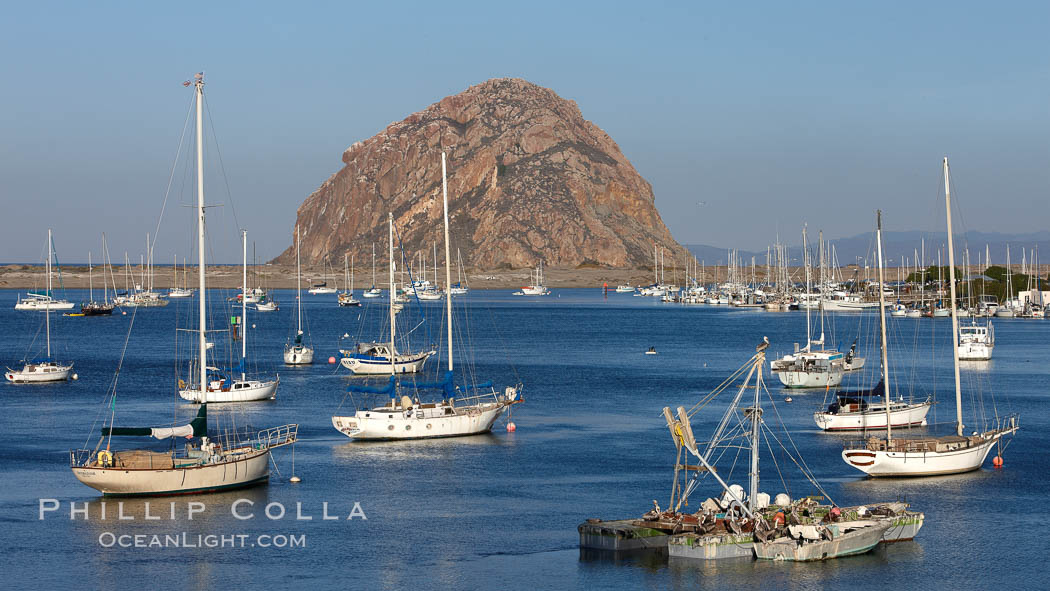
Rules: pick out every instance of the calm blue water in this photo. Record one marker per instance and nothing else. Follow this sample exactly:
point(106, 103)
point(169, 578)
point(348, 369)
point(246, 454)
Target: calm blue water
point(500, 511)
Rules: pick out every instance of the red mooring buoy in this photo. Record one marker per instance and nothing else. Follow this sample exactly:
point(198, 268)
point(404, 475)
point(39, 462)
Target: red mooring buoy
point(331, 360)
point(997, 461)
point(511, 427)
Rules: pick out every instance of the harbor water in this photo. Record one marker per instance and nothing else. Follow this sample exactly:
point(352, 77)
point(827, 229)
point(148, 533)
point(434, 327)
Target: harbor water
point(500, 511)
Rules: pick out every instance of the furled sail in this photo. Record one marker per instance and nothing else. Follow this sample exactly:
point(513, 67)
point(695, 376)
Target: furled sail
point(198, 427)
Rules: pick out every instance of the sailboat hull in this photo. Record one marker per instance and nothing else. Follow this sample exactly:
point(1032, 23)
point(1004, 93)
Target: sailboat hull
point(804, 379)
point(943, 459)
point(250, 470)
point(363, 365)
point(874, 418)
point(239, 391)
point(378, 425)
point(298, 355)
point(36, 374)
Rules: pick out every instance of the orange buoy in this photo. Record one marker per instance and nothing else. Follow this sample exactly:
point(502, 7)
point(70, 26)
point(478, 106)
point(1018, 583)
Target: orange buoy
point(997, 461)
point(331, 360)
point(511, 427)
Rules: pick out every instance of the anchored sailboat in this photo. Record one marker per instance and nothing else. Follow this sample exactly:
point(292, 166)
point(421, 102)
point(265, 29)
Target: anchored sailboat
point(462, 410)
point(297, 352)
point(46, 369)
point(927, 456)
point(347, 297)
point(230, 459)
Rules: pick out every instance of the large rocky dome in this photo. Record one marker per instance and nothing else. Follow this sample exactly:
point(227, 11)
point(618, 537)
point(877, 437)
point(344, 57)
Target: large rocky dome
point(529, 179)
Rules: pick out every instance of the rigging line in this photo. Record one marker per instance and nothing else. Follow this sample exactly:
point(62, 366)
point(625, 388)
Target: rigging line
point(776, 465)
point(222, 166)
point(171, 177)
point(803, 466)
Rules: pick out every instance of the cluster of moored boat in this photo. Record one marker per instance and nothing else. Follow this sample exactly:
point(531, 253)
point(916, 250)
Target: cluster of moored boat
point(739, 523)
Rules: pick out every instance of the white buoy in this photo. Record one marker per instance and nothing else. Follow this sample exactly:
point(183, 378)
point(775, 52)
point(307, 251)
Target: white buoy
point(76, 377)
point(294, 479)
point(788, 399)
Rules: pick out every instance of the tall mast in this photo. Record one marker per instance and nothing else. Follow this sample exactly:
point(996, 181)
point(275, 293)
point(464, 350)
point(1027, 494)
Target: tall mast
point(346, 272)
point(91, 285)
point(373, 265)
point(955, 318)
point(390, 224)
point(823, 285)
point(47, 302)
point(203, 309)
point(756, 422)
point(805, 264)
point(351, 276)
point(244, 299)
point(298, 281)
point(448, 269)
point(882, 327)
point(105, 262)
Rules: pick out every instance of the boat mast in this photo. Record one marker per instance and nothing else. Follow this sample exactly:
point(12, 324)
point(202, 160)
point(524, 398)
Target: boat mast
point(351, 277)
point(91, 285)
point(346, 272)
point(805, 259)
point(373, 265)
point(882, 327)
point(756, 423)
point(390, 225)
point(955, 318)
point(244, 299)
point(202, 309)
point(448, 269)
point(47, 301)
point(298, 282)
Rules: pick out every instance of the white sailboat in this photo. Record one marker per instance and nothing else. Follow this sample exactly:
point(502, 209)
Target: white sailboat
point(346, 299)
point(229, 388)
point(44, 301)
point(466, 410)
point(373, 292)
point(873, 409)
point(232, 459)
point(176, 291)
point(383, 358)
point(806, 368)
point(47, 369)
point(928, 456)
point(297, 352)
point(323, 288)
point(459, 287)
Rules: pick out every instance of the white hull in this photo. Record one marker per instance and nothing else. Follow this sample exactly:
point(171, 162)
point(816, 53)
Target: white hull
point(873, 418)
point(298, 355)
point(252, 468)
point(239, 391)
point(854, 364)
point(535, 291)
point(848, 306)
point(924, 462)
point(975, 351)
point(41, 305)
point(419, 423)
point(373, 293)
point(804, 379)
point(180, 293)
point(39, 373)
point(411, 363)
point(266, 307)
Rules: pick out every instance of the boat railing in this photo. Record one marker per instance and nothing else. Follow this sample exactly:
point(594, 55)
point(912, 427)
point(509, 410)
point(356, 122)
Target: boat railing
point(80, 457)
point(277, 436)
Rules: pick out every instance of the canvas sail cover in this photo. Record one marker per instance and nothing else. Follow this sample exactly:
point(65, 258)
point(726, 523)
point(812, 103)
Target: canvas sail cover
point(198, 427)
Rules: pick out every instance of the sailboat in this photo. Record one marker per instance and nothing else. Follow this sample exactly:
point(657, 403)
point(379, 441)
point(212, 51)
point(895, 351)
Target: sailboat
point(431, 292)
point(347, 297)
point(91, 307)
point(806, 368)
point(47, 369)
point(223, 387)
point(323, 288)
point(297, 352)
point(373, 292)
point(860, 410)
point(383, 358)
point(928, 456)
point(459, 287)
point(44, 301)
point(226, 460)
point(462, 410)
point(176, 291)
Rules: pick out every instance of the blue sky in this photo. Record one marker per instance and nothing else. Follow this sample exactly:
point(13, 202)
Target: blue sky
point(772, 114)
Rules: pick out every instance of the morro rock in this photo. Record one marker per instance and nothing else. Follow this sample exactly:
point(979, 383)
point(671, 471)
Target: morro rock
point(529, 179)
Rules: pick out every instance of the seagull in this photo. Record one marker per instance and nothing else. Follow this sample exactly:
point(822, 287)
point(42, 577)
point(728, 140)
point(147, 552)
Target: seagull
point(763, 346)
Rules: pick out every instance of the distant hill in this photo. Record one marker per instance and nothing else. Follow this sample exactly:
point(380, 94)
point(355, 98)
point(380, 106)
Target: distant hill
point(897, 244)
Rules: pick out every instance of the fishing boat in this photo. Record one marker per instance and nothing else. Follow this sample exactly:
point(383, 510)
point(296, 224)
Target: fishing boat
point(297, 352)
point(46, 369)
point(537, 288)
point(267, 306)
point(346, 298)
point(976, 342)
point(376, 358)
point(231, 458)
point(931, 455)
point(225, 386)
point(462, 409)
point(739, 523)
